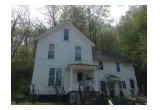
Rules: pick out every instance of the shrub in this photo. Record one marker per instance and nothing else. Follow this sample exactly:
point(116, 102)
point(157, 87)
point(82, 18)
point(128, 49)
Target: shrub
point(121, 94)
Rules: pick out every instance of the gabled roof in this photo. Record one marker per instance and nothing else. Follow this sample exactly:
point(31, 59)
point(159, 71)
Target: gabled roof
point(98, 56)
point(61, 25)
point(108, 57)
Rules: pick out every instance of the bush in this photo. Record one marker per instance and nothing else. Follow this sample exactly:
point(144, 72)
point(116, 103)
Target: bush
point(112, 93)
point(121, 94)
point(21, 74)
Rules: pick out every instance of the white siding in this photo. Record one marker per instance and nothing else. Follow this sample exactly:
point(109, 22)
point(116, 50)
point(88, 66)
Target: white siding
point(126, 73)
point(64, 55)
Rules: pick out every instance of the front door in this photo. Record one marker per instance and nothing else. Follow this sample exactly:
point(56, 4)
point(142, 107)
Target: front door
point(79, 77)
point(103, 86)
point(80, 80)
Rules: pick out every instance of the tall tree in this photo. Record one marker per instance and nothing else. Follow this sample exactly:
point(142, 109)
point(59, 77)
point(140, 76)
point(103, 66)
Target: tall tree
point(97, 18)
point(74, 14)
point(20, 27)
point(51, 13)
point(132, 32)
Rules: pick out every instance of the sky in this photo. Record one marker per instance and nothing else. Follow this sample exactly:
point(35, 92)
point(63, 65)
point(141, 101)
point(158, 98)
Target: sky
point(116, 12)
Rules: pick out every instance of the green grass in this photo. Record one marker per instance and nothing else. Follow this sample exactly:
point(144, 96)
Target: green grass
point(38, 103)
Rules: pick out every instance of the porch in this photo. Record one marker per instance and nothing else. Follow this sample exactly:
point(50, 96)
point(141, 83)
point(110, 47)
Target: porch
point(83, 75)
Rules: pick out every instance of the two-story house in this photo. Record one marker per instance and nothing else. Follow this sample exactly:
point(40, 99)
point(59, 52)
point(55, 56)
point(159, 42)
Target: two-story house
point(64, 56)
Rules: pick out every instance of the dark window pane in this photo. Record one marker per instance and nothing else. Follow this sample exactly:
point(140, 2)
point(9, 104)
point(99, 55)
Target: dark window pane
point(52, 72)
point(59, 72)
point(51, 81)
point(51, 51)
point(132, 83)
point(58, 81)
point(101, 65)
point(118, 67)
point(77, 53)
point(66, 34)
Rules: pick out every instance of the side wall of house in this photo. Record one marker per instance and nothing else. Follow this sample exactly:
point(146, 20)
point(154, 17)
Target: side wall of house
point(64, 55)
point(126, 73)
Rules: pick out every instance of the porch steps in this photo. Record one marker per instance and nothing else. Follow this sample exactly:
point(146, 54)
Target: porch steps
point(89, 99)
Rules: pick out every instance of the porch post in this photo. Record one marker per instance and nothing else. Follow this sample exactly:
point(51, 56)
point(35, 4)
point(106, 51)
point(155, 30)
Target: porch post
point(96, 82)
point(71, 78)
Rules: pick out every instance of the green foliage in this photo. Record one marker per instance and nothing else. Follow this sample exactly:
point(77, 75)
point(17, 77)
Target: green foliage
point(132, 33)
point(121, 94)
point(21, 74)
point(75, 14)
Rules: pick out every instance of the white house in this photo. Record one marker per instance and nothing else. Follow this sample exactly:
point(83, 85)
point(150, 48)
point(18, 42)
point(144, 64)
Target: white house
point(65, 54)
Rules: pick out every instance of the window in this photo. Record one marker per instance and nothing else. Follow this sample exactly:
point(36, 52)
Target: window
point(78, 53)
point(51, 77)
point(51, 51)
point(132, 83)
point(122, 84)
point(118, 67)
point(100, 65)
point(66, 34)
point(55, 77)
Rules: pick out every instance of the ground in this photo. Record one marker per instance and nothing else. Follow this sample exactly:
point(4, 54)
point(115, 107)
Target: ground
point(26, 102)
point(129, 100)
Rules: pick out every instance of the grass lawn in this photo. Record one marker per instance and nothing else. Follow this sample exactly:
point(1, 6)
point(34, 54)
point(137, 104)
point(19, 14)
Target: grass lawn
point(38, 103)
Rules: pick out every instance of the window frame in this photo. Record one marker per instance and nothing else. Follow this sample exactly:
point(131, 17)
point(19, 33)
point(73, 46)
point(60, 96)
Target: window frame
point(78, 58)
point(51, 53)
point(66, 34)
point(55, 77)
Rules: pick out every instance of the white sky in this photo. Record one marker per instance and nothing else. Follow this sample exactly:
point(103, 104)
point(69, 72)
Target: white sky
point(116, 12)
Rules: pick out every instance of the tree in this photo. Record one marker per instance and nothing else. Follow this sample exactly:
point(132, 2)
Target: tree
point(97, 19)
point(132, 33)
point(74, 14)
point(20, 28)
point(51, 13)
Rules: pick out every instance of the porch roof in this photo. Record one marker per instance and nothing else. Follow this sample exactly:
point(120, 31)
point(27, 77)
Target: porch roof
point(82, 66)
point(113, 78)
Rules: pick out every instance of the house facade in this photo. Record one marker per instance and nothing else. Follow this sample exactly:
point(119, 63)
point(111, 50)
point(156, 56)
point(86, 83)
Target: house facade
point(65, 57)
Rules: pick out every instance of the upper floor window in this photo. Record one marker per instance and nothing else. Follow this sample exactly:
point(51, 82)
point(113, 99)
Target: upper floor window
point(118, 67)
point(55, 77)
point(132, 83)
point(51, 51)
point(78, 53)
point(66, 34)
point(100, 65)
point(122, 84)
